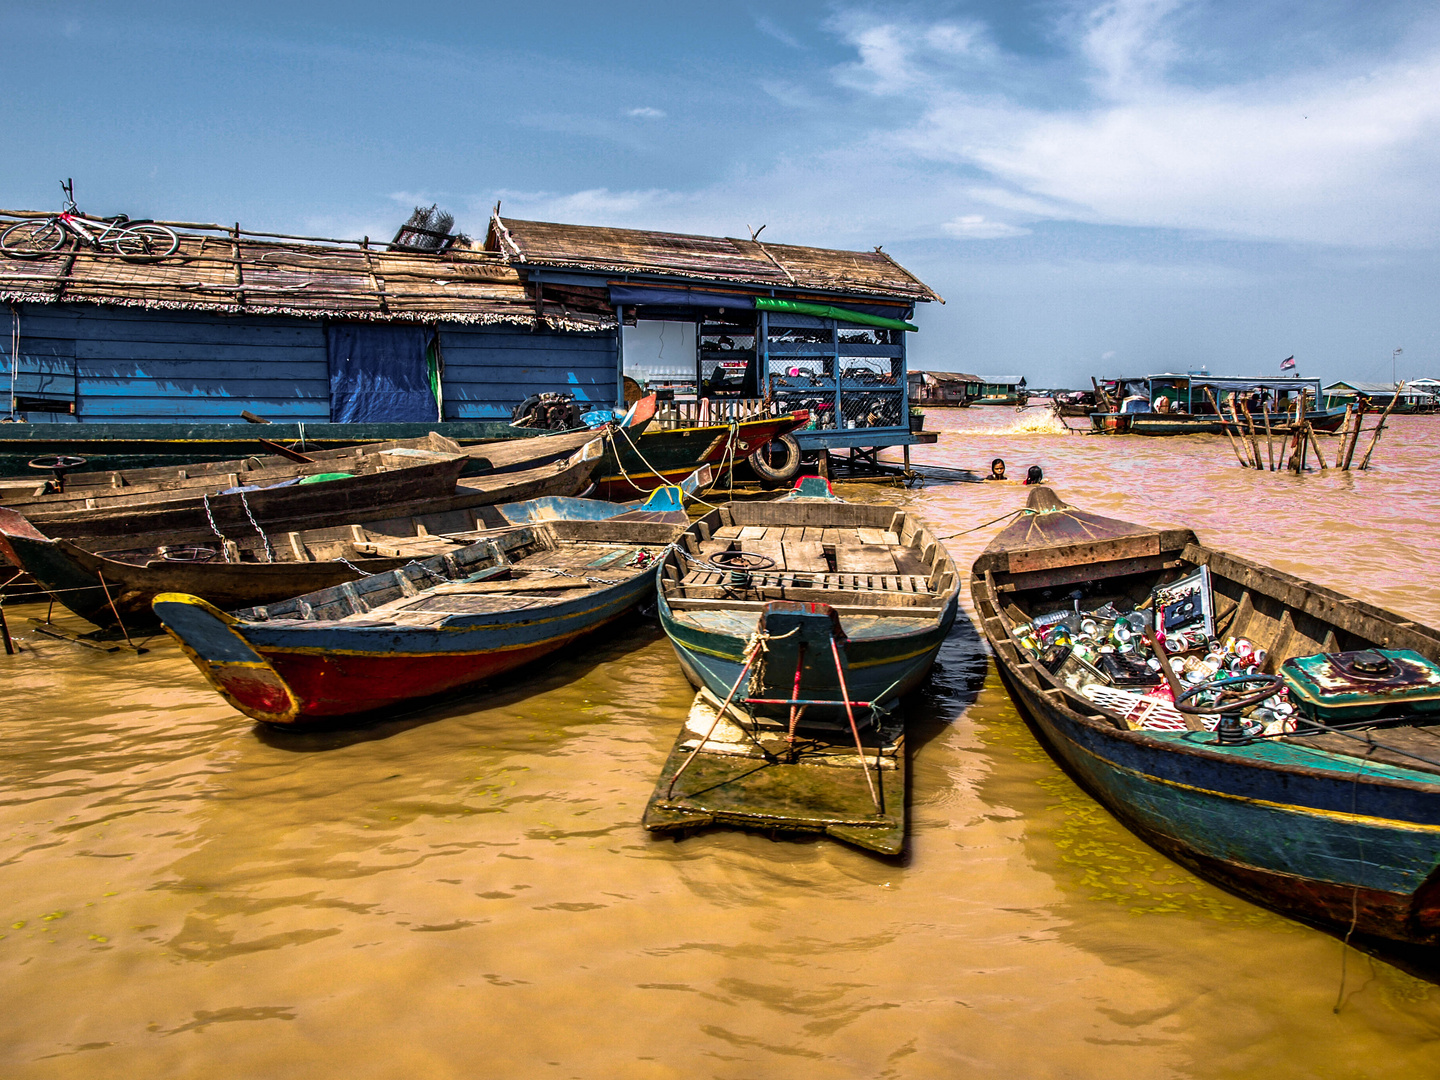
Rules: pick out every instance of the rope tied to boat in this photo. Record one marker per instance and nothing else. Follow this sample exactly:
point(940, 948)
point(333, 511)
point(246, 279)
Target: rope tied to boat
point(1002, 517)
point(205, 498)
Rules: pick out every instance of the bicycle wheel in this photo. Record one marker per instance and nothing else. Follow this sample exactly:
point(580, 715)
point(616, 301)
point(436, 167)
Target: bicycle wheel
point(146, 241)
point(32, 239)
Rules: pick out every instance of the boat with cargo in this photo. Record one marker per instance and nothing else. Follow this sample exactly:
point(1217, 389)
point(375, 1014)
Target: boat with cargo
point(1279, 738)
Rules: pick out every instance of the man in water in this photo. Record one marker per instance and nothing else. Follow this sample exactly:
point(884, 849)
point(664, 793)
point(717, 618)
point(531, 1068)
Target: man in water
point(997, 470)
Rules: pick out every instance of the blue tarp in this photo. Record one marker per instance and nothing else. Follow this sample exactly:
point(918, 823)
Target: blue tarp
point(379, 374)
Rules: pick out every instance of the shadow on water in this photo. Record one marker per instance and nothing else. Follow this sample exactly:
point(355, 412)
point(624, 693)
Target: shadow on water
point(605, 645)
point(1419, 961)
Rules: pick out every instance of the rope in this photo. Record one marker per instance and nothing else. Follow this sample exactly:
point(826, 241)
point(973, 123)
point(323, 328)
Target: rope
point(654, 471)
point(977, 528)
point(269, 551)
point(205, 498)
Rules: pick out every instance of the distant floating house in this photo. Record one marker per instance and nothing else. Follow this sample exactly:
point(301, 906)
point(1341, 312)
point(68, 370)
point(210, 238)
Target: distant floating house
point(313, 330)
point(1415, 397)
point(1000, 389)
point(944, 387)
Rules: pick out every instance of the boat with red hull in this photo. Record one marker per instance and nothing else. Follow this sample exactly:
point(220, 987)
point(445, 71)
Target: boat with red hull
point(429, 629)
point(659, 456)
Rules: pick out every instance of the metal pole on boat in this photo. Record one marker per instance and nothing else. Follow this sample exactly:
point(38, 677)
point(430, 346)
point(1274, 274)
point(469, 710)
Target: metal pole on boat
point(850, 712)
point(113, 610)
point(670, 791)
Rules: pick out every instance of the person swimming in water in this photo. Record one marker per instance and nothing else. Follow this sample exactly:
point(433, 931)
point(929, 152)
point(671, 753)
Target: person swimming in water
point(997, 470)
point(1035, 475)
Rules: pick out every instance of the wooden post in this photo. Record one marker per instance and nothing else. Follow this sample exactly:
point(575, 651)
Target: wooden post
point(1365, 462)
point(1354, 436)
point(1239, 430)
point(1221, 417)
point(1254, 440)
point(1269, 441)
point(1344, 433)
point(1314, 442)
point(5, 632)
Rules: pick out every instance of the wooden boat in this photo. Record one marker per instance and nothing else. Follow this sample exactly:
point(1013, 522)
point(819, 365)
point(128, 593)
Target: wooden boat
point(802, 622)
point(1336, 823)
point(436, 627)
point(107, 447)
point(115, 581)
point(661, 456)
point(1195, 397)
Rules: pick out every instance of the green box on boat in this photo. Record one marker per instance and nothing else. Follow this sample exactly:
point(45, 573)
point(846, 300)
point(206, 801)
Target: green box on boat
point(1336, 687)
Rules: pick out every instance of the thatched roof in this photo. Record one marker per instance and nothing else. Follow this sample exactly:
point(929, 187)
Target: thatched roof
point(707, 258)
point(251, 274)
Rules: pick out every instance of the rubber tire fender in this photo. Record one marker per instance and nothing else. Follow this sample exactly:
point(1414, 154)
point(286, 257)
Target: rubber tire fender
point(785, 474)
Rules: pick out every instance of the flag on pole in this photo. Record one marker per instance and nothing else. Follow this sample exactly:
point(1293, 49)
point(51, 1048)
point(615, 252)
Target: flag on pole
point(1287, 363)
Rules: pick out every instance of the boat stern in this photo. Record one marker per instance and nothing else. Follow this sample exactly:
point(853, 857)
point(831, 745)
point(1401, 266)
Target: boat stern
point(240, 674)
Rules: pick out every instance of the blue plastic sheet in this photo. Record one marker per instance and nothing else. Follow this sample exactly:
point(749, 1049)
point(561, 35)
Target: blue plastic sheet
point(379, 373)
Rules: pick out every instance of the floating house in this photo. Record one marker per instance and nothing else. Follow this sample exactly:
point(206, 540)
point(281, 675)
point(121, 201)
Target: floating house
point(944, 387)
point(729, 328)
point(309, 330)
point(1000, 389)
point(1415, 397)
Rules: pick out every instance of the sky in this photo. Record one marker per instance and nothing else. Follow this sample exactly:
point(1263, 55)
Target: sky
point(1096, 188)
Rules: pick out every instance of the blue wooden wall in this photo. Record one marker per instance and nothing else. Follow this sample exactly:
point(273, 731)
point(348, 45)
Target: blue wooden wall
point(491, 369)
point(130, 364)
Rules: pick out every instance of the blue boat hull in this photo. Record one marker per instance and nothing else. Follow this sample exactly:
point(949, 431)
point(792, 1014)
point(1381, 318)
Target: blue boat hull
point(1358, 848)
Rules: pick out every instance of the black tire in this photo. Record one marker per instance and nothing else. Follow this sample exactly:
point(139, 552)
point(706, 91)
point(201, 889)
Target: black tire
point(146, 241)
point(771, 473)
point(33, 239)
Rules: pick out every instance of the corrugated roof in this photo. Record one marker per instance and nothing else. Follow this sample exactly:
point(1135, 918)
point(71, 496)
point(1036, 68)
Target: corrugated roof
point(708, 258)
point(949, 376)
point(1368, 387)
point(219, 272)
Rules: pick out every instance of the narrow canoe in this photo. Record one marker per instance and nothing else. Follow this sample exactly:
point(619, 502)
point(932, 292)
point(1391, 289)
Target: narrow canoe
point(1340, 829)
point(116, 580)
point(852, 592)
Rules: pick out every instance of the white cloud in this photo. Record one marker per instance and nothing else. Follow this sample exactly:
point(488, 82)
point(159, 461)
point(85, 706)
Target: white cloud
point(645, 112)
point(771, 28)
point(1327, 154)
point(978, 227)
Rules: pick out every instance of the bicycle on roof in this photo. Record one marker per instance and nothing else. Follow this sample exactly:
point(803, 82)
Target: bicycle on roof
point(134, 240)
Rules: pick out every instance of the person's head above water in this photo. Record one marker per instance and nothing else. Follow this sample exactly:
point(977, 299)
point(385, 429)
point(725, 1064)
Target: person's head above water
point(1034, 475)
point(997, 469)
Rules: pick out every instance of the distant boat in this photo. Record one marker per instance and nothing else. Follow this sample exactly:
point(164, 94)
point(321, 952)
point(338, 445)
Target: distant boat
point(780, 613)
point(1334, 819)
point(428, 629)
point(1180, 405)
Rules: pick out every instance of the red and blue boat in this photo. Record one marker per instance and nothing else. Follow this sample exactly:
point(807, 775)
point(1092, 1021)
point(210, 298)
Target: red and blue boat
point(1332, 816)
point(434, 627)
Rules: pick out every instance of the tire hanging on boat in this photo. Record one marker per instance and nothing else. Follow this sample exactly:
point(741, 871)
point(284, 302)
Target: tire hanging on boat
point(772, 474)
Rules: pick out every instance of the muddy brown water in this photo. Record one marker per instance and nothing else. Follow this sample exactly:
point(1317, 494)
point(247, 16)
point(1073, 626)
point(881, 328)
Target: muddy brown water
point(467, 892)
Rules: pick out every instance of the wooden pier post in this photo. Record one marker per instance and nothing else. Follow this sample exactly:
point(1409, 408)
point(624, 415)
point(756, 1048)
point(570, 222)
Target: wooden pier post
point(1365, 463)
point(1221, 417)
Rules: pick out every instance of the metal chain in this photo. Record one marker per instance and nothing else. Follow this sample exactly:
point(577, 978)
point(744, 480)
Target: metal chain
point(269, 551)
point(205, 498)
point(578, 577)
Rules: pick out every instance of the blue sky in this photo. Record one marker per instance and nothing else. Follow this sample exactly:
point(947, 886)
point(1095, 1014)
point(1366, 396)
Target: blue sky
point(1094, 187)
